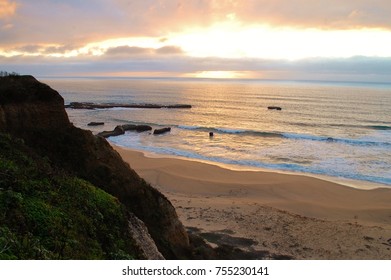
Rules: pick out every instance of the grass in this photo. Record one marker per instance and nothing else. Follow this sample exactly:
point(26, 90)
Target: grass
point(47, 214)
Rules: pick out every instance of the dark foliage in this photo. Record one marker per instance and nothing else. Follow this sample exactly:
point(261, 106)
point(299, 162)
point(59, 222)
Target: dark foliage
point(47, 214)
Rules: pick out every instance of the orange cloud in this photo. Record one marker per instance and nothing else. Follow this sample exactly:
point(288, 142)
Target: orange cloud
point(169, 50)
point(82, 22)
point(174, 15)
point(126, 51)
point(290, 29)
point(7, 8)
point(328, 14)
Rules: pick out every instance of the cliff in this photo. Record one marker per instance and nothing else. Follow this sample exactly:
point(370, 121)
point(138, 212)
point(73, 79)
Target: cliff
point(35, 113)
point(48, 214)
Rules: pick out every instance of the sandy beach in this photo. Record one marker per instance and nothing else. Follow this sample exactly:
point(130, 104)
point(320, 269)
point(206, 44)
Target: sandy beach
point(299, 216)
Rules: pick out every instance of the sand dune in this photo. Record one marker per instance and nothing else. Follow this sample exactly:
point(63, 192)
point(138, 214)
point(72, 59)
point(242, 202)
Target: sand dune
point(296, 215)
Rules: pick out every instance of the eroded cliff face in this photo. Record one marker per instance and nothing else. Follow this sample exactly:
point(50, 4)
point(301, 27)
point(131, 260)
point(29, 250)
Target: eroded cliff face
point(25, 103)
point(35, 112)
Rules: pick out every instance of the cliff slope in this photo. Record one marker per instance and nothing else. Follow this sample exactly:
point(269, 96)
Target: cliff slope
point(34, 112)
point(46, 214)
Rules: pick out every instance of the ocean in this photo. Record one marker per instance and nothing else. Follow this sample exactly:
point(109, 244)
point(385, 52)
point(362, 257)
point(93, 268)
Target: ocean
point(341, 130)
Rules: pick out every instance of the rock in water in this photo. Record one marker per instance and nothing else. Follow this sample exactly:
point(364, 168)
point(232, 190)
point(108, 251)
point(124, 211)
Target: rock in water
point(161, 130)
point(95, 123)
point(142, 128)
point(274, 108)
point(90, 106)
point(128, 127)
point(118, 130)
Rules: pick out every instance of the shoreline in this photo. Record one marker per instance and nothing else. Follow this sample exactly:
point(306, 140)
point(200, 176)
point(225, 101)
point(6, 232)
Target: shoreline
point(352, 183)
point(284, 214)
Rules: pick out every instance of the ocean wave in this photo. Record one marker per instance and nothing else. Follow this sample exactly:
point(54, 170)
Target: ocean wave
point(282, 135)
point(379, 127)
point(232, 131)
point(355, 142)
point(370, 127)
point(293, 136)
point(302, 167)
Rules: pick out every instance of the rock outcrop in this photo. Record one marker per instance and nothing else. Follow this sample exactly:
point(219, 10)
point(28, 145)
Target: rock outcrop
point(120, 129)
point(91, 106)
point(26, 104)
point(34, 112)
point(138, 128)
point(143, 239)
point(95, 123)
point(161, 130)
point(143, 128)
point(274, 108)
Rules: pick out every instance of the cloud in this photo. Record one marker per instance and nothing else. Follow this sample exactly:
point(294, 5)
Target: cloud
point(41, 49)
point(41, 28)
point(361, 69)
point(60, 49)
point(81, 22)
point(329, 14)
point(169, 50)
point(124, 51)
point(7, 8)
point(131, 51)
point(64, 22)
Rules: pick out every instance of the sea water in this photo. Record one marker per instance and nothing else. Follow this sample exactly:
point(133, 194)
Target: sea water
point(335, 129)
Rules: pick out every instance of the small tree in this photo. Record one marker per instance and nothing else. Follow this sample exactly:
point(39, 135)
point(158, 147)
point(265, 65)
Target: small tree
point(5, 74)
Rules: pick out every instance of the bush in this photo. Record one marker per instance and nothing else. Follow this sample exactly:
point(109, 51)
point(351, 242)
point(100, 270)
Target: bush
point(5, 74)
point(47, 214)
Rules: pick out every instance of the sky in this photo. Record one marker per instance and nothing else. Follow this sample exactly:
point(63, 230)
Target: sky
point(329, 40)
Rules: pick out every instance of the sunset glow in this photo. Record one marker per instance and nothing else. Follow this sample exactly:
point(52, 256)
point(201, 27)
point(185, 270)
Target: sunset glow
point(225, 39)
point(218, 75)
point(234, 41)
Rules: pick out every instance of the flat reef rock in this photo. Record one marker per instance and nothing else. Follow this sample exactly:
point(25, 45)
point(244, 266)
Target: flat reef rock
point(91, 106)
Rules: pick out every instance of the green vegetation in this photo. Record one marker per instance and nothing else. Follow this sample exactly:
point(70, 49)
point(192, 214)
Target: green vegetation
point(47, 214)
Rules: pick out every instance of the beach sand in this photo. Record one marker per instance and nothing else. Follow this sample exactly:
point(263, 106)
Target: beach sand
point(297, 216)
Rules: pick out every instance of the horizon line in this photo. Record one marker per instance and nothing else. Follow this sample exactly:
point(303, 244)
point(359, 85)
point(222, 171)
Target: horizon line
point(210, 79)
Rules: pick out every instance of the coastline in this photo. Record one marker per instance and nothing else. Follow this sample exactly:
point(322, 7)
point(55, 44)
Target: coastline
point(290, 214)
point(352, 183)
